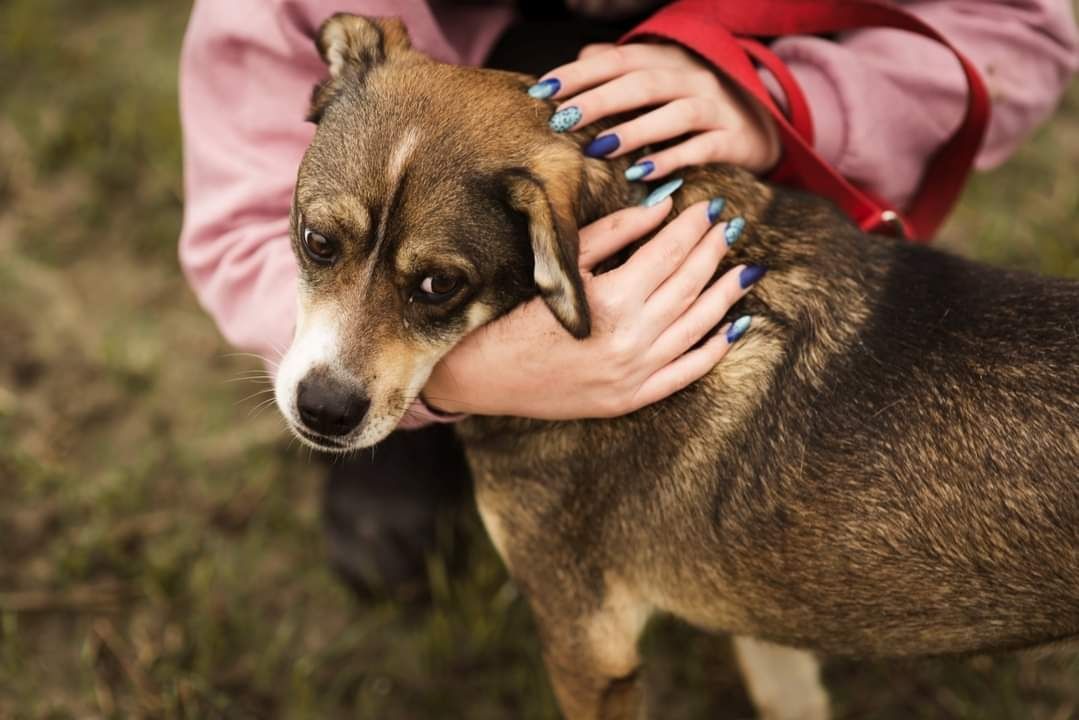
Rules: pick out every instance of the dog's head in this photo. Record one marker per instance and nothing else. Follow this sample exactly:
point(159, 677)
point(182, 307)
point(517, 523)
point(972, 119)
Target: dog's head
point(432, 199)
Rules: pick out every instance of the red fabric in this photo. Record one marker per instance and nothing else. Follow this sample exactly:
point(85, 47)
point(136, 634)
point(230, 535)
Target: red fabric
point(724, 32)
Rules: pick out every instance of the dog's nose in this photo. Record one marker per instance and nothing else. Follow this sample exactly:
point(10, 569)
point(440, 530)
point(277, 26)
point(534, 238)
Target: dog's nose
point(330, 407)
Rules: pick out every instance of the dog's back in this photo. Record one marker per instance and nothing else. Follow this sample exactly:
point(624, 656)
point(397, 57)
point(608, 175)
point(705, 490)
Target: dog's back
point(886, 465)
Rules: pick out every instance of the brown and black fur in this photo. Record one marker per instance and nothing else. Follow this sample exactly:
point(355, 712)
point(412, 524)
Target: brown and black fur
point(886, 465)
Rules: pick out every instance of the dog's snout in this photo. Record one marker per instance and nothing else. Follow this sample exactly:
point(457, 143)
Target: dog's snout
point(329, 407)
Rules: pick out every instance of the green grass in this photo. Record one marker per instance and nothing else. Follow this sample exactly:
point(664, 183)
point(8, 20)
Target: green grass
point(160, 553)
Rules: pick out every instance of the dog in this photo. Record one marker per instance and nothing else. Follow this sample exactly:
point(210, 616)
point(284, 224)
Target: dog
point(886, 465)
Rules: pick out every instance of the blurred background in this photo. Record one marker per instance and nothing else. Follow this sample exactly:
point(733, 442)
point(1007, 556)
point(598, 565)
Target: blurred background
point(160, 553)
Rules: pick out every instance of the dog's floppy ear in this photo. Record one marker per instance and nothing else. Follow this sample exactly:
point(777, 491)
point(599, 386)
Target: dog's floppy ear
point(352, 45)
point(553, 233)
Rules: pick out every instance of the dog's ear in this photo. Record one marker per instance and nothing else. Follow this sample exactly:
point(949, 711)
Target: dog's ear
point(352, 46)
point(360, 43)
point(553, 233)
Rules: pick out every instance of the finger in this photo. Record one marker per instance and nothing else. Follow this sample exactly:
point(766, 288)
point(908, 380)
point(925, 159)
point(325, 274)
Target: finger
point(606, 236)
point(676, 118)
point(634, 90)
point(707, 147)
point(684, 371)
point(684, 286)
point(657, 259)
point(593, 49)
point(706, 312)
point(600, 67)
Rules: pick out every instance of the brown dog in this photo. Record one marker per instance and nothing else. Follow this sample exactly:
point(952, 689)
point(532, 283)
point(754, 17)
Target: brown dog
point(885, 465)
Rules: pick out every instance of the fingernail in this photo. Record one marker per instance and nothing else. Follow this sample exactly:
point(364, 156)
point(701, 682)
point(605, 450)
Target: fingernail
point(565, 118)
point(715, 209)
point(640, 170)
point(734, 229)
point(738, 329)
point(751, 274)
point(601, 146)
point(545, 88)
point(661, 193)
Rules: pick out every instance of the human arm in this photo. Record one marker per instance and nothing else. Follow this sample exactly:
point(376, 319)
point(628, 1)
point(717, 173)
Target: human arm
point(882, 101)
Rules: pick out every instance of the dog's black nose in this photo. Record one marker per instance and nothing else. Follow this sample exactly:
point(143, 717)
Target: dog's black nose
point(330, 407)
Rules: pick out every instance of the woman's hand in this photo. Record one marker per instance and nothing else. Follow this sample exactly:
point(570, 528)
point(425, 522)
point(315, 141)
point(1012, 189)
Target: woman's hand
point(647, 316)
point(722, 123)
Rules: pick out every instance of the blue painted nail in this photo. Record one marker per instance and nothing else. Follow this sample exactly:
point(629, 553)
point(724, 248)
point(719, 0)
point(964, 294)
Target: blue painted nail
point(640, 170)
point(601, 146)
point(661, 193)
point(545, 88)
point(738, 329)
point(734, 229)
point(565, 118)
point(715, 208)
point(751, 274)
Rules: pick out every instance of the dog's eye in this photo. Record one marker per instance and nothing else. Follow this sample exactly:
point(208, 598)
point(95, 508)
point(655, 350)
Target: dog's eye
point(318, 247)
point(439, 287)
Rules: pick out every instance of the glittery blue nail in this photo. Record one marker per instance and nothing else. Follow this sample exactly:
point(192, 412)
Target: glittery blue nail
point(640, 170)
point(602, 146)
point(565, 119)
point(661, 193)
point(734, 229)
point(751, 274)
point(545, 88)
point(715, 209)
point(738, 329)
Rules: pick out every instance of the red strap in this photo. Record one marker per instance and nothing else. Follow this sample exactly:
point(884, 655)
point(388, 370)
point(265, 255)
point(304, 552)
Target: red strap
point(708, 27)
point(797, 108)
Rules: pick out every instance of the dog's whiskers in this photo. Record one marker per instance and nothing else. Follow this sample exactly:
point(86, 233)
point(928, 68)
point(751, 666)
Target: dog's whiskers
point(253, 395)
point(268, 379)
point(272, 363)
point(258, 409)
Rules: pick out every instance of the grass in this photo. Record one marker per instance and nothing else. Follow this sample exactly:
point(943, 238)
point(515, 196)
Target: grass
point(160, 553)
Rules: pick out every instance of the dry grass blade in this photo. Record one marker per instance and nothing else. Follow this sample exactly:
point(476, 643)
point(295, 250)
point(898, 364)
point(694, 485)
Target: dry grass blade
point(108, 595)
point(145, 692)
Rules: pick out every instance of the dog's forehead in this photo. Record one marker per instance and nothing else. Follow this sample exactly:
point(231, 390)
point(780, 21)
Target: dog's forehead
point(438, 121)
point(401, 182)
point(410, 160)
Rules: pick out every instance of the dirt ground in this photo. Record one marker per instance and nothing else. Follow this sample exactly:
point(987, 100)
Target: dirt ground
point(160, 552)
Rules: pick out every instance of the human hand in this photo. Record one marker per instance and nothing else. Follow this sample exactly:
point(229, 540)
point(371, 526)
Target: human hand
point(723, 123)
point(647, 316)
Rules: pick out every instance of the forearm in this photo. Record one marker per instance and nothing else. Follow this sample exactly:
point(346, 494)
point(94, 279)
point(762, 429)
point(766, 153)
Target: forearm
point(242, 143)
point(883, 101)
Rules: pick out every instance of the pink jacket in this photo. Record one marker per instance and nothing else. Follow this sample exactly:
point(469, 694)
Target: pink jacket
point(882, 102)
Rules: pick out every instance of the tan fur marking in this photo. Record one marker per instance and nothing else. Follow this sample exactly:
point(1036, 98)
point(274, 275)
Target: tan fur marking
point(613, 631)
point(402, 153)
point(336, 40)
point(492, 522)
point(783, 682)
point(350, 208)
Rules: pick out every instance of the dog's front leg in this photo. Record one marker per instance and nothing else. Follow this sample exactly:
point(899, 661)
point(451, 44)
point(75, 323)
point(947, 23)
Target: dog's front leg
point(589, 633)
point(783, 683)
point(590, 648)
point(587, 688)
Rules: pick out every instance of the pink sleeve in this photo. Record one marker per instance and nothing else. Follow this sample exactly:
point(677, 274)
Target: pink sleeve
point(246, 72)
point(884, 100)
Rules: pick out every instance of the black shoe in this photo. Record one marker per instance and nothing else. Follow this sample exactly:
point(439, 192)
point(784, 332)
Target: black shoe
point(383, 511)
